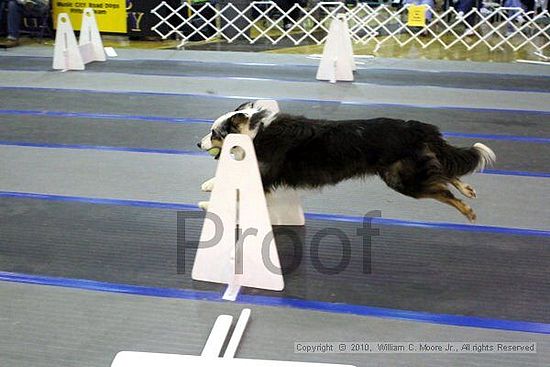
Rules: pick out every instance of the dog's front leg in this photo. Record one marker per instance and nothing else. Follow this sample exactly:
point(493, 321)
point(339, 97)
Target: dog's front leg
point(207, 186)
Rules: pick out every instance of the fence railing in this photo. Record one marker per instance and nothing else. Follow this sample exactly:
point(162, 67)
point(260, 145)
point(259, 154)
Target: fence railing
point(496, 27)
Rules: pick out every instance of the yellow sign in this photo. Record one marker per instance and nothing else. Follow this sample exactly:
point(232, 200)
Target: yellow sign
point(417, 16)
point(109, 14)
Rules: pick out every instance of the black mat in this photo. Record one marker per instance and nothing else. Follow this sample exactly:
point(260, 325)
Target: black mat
point(440, 271)
point(296, 73)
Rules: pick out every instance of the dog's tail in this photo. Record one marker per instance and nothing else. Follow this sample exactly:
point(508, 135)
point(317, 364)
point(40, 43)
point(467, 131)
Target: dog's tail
point(457, 161)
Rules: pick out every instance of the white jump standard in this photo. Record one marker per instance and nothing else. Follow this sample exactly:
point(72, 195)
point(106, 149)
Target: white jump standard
point(70, 56)
point(248, 256)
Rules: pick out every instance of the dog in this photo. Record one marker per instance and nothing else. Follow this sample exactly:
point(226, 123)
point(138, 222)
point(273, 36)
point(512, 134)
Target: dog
point(411, 157)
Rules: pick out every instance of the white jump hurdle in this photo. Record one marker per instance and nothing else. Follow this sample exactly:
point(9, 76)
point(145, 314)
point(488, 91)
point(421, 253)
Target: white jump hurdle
point(68, 55)
point(239, 258)
point(337, 62)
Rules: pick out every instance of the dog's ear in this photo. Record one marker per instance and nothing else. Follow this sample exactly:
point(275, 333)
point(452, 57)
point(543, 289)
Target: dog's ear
point(239, 119)
point(244, 105)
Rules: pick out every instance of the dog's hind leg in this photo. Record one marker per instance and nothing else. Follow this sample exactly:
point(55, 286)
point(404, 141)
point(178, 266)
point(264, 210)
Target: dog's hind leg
point(464, 188)
point(422, 177)
point(441, 193)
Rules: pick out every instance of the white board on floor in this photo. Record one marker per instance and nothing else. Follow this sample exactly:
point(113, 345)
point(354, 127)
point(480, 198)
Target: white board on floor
point(143, 359)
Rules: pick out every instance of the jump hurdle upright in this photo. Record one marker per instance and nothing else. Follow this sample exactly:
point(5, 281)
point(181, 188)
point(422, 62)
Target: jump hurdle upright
point(68, 55)
point(337, 62)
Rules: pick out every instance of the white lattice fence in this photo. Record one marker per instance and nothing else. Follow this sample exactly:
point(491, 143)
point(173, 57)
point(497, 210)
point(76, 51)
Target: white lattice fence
point(264, 20)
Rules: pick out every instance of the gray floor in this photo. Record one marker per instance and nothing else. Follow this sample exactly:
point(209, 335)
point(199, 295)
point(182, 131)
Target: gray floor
point(74, 327)
point(296, 73)
point(135, 176)
point(51, 326)
point(403, 268)
point(105, 130)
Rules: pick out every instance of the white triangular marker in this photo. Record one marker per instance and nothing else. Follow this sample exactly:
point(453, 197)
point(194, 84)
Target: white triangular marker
point(90, 44)
point(66, 54)
point(337, 60)
point(238, 198)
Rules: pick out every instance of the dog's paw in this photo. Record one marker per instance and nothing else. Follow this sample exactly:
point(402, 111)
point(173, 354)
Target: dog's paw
point(203, 205)
point(208, 186)
point(469, 191)
point(465, 189)
point(471, 215)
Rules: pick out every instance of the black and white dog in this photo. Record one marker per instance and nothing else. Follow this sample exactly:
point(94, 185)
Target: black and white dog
point(297, 152)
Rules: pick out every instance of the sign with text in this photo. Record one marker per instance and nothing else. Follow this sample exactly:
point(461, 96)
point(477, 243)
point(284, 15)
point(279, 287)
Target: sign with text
point(417, 16)
point(110, 14)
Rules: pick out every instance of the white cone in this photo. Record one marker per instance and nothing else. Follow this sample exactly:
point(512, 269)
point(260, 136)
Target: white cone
point(90, 44)
point(238, 197)
point(337, 62)
point(66, 54)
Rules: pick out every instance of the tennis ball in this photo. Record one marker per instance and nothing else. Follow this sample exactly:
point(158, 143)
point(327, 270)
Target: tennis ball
point(214, 151)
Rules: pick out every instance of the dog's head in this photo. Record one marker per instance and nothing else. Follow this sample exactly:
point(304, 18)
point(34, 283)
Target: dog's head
point(247, 119)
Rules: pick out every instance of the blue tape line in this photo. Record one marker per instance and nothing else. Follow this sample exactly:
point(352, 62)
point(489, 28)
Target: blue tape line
point(205, 154)
point(100, 201)
point(515, 173)
point(63, 114)
point(92, 285)
point(429, 225)
point(337, 308)
point(105, 148)
point(187, 120)
point(526, 139)
point(310, 216)
point(304, 100)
